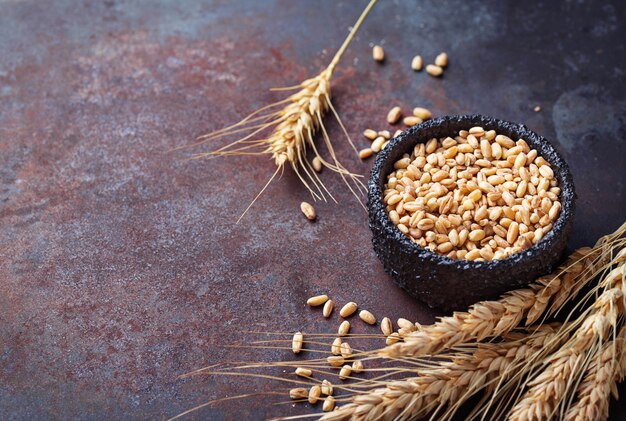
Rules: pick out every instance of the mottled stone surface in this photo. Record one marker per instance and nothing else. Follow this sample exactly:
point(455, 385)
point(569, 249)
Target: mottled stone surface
point(121, 266)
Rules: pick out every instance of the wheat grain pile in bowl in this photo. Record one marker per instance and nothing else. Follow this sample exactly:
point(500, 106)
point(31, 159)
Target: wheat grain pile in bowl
point(478, 196)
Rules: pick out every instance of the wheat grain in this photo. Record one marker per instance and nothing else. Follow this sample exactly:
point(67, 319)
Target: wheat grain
point(417, 63)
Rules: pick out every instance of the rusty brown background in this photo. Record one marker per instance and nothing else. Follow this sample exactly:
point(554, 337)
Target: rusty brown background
point(121, 266)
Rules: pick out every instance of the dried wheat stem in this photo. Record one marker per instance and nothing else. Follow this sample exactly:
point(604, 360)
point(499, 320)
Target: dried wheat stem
point(448, 383)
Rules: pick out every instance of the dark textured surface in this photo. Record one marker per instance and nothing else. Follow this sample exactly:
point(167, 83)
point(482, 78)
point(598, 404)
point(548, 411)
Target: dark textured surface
point(429, 276)
point(121, 266)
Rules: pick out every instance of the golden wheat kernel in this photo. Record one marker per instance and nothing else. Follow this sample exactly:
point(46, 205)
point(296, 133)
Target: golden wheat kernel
point(392, 339)
point(397, 133)
point(405, 332)
point(450, 152)
point(481, 216)
point(539, 161)
point(394, 115)
point(522, 144)
point(335, 360)
point(367, 317)
point(512, 232)
point(463, 134)
point(344, 328)
point(378, 53)
point(357, 366)
point(546, 172)
point(468, 204)
point(385, 133)
point(431, 146)
point(546, 204)
point(402, 164)
point(422, 113)
point(434, 70)
point(326, 387)
point(406, 324)
point(465, 148)
point(308, 211)
point(476, 235)
point(345, 372)
point(396, 198)
point(426, 224)
point(485, 148)
point(377, 144)
point(495, 180)
point(531, 156)
point(317, 300)
point(475, 195)
point(298, 393)
point(296, 342)
point(472, 254)
point(494, 213)
point(386, 326)
point(445, 247)
point(328, 308)
point(505, 141)
point(417, 63)
point(486, 253)
point(335, 348)
point(441, 60)
point(477, 131)
point(348, 309)
point(370, 134)
point(346, 350)
point(365, 153)
point(554, 210)
point(411, 121)
point(329, 404)
point(473, 141)
point(314, 394)
point(317, 164)
point(303, 372)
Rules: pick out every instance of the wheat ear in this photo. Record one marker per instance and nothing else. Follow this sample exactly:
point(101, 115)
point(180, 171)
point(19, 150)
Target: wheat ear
point(291, 125)
point(549, 391)
point(543, 297)
point(594, 392)
point(447, 384)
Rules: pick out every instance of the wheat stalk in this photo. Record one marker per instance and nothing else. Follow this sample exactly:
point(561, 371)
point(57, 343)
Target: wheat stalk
point(544, 297)
point(448, 383)
point(292, 124)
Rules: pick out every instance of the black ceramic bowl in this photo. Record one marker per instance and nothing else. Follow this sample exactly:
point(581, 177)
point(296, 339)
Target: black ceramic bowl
point(448, 283)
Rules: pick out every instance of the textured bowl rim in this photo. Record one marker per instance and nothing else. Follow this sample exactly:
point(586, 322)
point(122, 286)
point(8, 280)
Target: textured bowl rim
point(410, 137)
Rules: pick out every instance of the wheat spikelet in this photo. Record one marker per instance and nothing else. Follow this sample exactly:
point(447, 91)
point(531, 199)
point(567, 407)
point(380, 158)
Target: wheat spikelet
point(543, 297)
point(548, 392)
point(594, 391)
point(292, 124)
point(449, 383)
